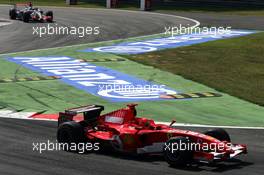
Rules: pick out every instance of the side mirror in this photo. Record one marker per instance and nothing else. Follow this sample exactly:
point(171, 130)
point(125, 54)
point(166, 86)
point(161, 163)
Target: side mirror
point(172, 122)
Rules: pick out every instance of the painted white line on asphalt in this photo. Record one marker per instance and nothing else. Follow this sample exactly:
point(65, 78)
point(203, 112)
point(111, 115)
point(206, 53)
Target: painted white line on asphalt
point(197, 23)
point(21, 115)
point(4, 22)
point(14, 114)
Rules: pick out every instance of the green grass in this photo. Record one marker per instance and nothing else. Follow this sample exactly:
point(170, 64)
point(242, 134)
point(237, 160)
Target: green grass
point(227, 9)
point(234, 66)
point(55, 96)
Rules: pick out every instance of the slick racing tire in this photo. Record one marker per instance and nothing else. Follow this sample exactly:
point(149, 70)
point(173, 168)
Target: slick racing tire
point(178, 157)
point(12, 14)
point(71, 133)
point(50, 14)
point(26, 16)
point(219, 134)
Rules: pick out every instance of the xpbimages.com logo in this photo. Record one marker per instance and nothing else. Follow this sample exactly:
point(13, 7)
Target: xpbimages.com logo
point(41, 147)
point(182, 146)
point(80, 32)
point(183, 30)
point(133, 91)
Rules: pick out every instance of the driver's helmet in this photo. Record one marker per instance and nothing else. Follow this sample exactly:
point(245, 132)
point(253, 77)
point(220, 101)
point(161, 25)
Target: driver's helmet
point(30, 6)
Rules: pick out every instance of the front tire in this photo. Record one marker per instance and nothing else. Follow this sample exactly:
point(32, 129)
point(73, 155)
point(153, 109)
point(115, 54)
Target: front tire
point(178, 157)
point(219, 134)
point(50, 14)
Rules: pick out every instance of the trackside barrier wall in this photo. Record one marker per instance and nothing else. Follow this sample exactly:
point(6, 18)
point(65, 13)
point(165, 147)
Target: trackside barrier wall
point(71, 2)
point(111, 3)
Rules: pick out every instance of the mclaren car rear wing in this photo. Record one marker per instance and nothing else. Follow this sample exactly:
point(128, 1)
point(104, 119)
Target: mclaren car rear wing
point(90, 112)
point(22, 4)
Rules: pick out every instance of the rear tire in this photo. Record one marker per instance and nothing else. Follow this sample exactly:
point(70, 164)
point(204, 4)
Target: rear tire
point(71, 133)
point(178, 158)
point(219, 134)
point(12, 14)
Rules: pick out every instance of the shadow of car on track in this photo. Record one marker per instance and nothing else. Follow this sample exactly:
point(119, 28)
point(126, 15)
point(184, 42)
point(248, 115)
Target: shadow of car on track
point(194, 167)
point(230, 165)
point(216, 167)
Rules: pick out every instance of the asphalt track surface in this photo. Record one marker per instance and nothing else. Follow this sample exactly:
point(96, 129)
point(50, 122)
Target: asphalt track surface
point(17, 155)
point(16, 136)
point(113, 24)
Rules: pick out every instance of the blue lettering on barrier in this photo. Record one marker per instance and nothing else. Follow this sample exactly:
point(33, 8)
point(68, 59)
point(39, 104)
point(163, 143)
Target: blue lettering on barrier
point(100, 81)
point(166, 42)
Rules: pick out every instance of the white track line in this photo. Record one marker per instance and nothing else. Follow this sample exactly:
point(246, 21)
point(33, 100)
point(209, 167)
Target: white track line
point(21, 115)
point(4, 22)
point(14, 114)
point(197, 23)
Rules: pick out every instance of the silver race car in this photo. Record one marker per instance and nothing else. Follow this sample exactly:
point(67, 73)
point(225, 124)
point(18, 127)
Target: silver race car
point(27, 13)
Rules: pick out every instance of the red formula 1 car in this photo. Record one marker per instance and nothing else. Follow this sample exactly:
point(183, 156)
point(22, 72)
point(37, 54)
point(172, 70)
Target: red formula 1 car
point(121, 130)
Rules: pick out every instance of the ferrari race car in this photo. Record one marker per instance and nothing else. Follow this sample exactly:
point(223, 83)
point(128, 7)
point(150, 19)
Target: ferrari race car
point(122, 131)
point(28, 13)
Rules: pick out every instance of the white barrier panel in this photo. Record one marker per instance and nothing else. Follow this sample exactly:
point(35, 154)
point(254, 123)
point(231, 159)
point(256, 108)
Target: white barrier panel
point(111, 3)
point(145, 5)
point(108, 4)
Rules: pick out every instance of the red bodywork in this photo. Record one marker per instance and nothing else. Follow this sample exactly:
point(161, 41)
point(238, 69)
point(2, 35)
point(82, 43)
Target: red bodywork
point(128, 133)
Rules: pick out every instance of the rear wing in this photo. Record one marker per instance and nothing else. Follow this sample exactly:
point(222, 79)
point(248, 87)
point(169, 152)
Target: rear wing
point(26, 4)
point(75, 111)
point(90, 113)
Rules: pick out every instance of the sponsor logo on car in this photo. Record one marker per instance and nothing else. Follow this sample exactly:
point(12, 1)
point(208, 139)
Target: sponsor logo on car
point(113, 119)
